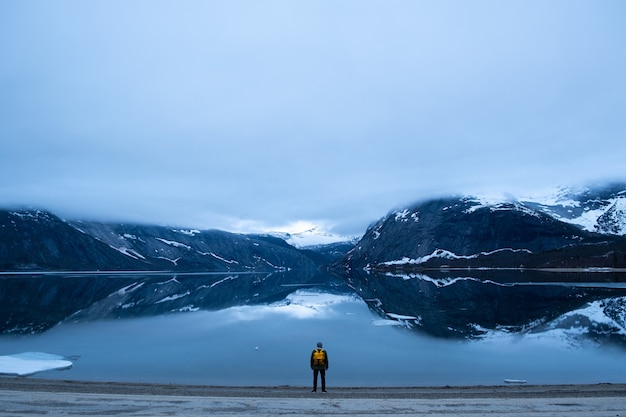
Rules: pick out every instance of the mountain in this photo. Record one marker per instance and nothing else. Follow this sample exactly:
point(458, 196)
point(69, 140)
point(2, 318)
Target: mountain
point(37, 240)
point(329, 253)
point(575, 230)
point(196, 250)
point(313, 236)
point(599, 209)
point(566, 229)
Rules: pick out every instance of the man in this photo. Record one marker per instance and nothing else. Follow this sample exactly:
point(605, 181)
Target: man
point(319, 364)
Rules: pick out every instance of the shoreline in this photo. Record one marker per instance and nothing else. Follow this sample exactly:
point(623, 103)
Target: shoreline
point(28, 396)
point(9, 383)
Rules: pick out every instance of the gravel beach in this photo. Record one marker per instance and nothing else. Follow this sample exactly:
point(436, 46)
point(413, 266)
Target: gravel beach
point(31, 396)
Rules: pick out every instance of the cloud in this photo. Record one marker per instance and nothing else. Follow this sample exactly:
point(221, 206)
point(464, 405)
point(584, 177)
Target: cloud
point(217, 114)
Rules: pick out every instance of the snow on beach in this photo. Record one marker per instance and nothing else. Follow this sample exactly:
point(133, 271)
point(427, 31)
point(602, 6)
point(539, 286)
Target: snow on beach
point(29, 363)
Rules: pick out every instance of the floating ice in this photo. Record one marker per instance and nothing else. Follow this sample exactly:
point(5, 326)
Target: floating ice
point(515, 381)
point(29, 363)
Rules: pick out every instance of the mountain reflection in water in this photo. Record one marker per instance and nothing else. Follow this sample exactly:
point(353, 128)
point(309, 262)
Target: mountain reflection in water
point(473, 306)
point(441, 305)
point(234, 329)
point(35, 303)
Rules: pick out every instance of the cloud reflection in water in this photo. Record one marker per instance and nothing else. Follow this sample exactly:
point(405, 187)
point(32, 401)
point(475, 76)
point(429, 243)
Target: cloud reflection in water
point(301, 304)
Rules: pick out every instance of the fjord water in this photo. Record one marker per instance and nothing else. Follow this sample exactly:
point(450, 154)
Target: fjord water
point(253, 329)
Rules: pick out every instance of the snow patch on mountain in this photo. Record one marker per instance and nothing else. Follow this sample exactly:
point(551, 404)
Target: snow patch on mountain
point(613, 220)
point(600, 211)
point(276, 267)
point(129, 252)
point(595, 210)
point(174, 261)
point(132, 237)
point(565, 196)
point(497, 204)
point(174, 243)
point(33, 215)
point(588, 220)
point(405, 215)
point(445, 254)
point(228, 261)
point(479, 201)
point(187, 232)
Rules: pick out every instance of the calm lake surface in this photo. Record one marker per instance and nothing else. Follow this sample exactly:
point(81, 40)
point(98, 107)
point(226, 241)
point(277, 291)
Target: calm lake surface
point(266, 338)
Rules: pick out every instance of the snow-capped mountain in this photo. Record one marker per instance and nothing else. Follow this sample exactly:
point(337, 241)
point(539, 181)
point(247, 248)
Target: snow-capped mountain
point(583, 229)
point(565, 228)
point(600, 209)
point(311, 235)
point(318, 243)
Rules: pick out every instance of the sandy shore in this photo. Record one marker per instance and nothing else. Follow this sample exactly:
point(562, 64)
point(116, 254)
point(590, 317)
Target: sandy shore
point(31, 396)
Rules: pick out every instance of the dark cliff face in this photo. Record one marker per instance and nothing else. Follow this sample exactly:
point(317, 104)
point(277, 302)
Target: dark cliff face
point(39, 241)
point(456, 225)
point(195, 250)
point(461, 232)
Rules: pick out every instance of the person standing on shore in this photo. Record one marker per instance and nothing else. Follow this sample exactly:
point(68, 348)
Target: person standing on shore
point(319, 365)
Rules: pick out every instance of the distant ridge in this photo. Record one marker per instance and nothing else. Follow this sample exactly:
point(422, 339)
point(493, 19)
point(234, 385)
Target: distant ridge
point(35, 240)
point(584, 228)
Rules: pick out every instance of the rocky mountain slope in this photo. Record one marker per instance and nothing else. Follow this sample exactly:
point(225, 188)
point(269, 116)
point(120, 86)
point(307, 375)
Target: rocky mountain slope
point(37, 240)
point(571, 231)
point(566, 229)
point(600, 209)
point(195, 250)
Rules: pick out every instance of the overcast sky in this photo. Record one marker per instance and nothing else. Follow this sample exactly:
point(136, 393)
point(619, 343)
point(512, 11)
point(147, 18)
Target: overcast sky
point(252, 115)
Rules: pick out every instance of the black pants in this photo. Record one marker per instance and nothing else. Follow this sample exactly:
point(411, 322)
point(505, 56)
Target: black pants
point(322, 373)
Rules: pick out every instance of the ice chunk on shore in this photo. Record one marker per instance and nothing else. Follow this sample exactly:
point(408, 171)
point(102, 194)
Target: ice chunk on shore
point(29, 363)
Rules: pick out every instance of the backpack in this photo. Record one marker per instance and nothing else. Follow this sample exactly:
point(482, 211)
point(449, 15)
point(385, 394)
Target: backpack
point(319, 357)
